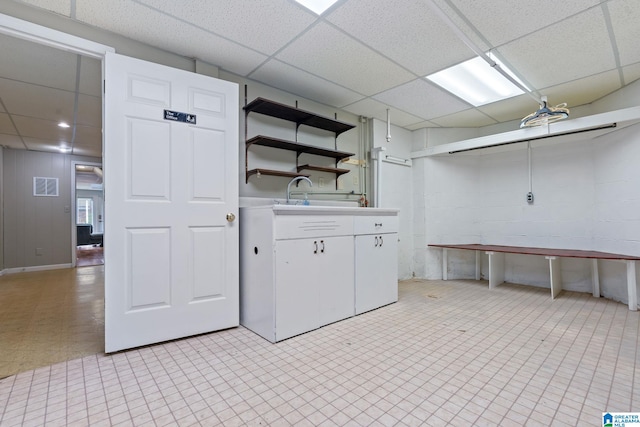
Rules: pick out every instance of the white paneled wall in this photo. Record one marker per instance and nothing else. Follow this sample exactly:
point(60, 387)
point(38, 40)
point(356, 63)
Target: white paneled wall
point(37, 230)
point(587, 196)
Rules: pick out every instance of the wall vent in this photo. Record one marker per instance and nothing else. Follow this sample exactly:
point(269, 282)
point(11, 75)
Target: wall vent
point(47, 187)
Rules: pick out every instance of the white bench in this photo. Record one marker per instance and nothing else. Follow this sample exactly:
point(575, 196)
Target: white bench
point(496, 265)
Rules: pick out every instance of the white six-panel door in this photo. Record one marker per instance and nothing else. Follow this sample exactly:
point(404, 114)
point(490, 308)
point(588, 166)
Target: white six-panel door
point(171, 192)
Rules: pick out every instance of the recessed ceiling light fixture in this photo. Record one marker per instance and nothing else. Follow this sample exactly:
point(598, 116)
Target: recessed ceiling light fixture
point(476, 82)
point(317, 6)
point(63, 125)
point(543, 116)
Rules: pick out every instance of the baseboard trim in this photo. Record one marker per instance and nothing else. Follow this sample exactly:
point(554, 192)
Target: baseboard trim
point(35, 268)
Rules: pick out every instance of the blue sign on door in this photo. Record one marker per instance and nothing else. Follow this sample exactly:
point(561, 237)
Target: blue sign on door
point(177, 116)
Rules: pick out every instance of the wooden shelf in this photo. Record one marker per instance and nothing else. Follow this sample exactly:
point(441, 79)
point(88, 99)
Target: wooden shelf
point(337, 171)
point(267, 141)
point(300, 117)
point(271, 172)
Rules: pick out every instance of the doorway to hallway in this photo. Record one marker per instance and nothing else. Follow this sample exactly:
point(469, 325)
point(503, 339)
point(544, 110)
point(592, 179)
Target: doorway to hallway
point(88, 211)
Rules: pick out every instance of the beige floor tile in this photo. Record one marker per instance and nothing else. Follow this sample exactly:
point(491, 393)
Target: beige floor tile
point(447, 353)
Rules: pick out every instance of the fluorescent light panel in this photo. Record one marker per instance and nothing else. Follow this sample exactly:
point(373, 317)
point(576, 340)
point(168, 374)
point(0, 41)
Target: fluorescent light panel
point(317, 6)
point(477, 82)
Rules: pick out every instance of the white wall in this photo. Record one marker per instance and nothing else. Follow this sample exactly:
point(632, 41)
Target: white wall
point(283, 160)
point(397, 188)
point(585, 198)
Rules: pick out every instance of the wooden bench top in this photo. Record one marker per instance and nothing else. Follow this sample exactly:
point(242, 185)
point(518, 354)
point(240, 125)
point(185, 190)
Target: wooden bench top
point(569, 253)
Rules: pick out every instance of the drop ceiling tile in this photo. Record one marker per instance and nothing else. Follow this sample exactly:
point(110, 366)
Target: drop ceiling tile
point(42, 129)
point(59, 73)
point(502, 21)
point(377, 110)
point(90, 76)
point(63, 7)
point(557, 54)
point(38, 144)
point(168, 33)
point(469, 118)
point(87, 135)
point(87, 151)
point(89, 111)
point(406, 31)
point(37, 101)
point(282, 76)
point(423, 99)
point(330, 54)
point(11, 141)
point(265, 26)
point(583, 91)
point(511, 109)
point(625, 15)
point(420, 125)
point(631, 73)
point(6, 126)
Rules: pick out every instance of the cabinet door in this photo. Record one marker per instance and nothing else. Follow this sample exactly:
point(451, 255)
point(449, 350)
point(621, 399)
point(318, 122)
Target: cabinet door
point(376, 271)
point(297, 292)
point(335, 279)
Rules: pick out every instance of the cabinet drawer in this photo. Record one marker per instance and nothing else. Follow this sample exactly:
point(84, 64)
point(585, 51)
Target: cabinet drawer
point(302, 226)
point(375, 224)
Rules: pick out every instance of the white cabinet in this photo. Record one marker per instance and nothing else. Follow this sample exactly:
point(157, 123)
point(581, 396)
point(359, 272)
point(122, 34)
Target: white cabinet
point(314, 285)
point(303, 267)
point(376, 255)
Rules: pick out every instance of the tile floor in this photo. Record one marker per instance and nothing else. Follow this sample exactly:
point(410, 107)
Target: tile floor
point(50, 316)
point(448, 353)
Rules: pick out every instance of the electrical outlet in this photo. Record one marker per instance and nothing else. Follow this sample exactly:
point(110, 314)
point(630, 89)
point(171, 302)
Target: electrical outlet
point(340, 184)
point(356, 181)
point(321, 182)
point(39, 251)
point(530, 197)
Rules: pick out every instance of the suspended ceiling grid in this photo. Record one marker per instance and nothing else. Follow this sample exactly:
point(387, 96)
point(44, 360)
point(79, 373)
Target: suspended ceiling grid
point(362, 56)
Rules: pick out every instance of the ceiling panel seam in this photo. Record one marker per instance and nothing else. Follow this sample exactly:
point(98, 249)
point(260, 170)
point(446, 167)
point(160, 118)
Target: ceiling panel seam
point(199, 27)
point(75, 103)
point(612, 39)
point(286, 45)
point(4, 107)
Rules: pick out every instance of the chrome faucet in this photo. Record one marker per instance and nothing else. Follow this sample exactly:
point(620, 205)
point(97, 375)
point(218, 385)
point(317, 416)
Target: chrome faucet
point(297, 178)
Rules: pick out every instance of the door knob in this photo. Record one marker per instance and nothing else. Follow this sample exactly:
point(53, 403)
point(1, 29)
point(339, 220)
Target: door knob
point(231, 217)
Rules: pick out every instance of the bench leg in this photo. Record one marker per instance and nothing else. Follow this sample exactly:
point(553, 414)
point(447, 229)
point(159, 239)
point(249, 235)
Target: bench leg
point(554, 274)
point(496, 269)
point(445, 264)
point(477, 265)
point(631, 285)
point(595, 278)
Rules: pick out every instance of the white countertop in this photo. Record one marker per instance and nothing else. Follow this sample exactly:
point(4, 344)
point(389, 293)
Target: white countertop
point(283, 209)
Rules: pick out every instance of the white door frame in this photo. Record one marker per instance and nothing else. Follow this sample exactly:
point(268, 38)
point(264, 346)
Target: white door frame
point(74, 196)
point(47, 36)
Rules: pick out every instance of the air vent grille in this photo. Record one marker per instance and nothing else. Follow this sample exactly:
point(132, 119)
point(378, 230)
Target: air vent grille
point(45, 187)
